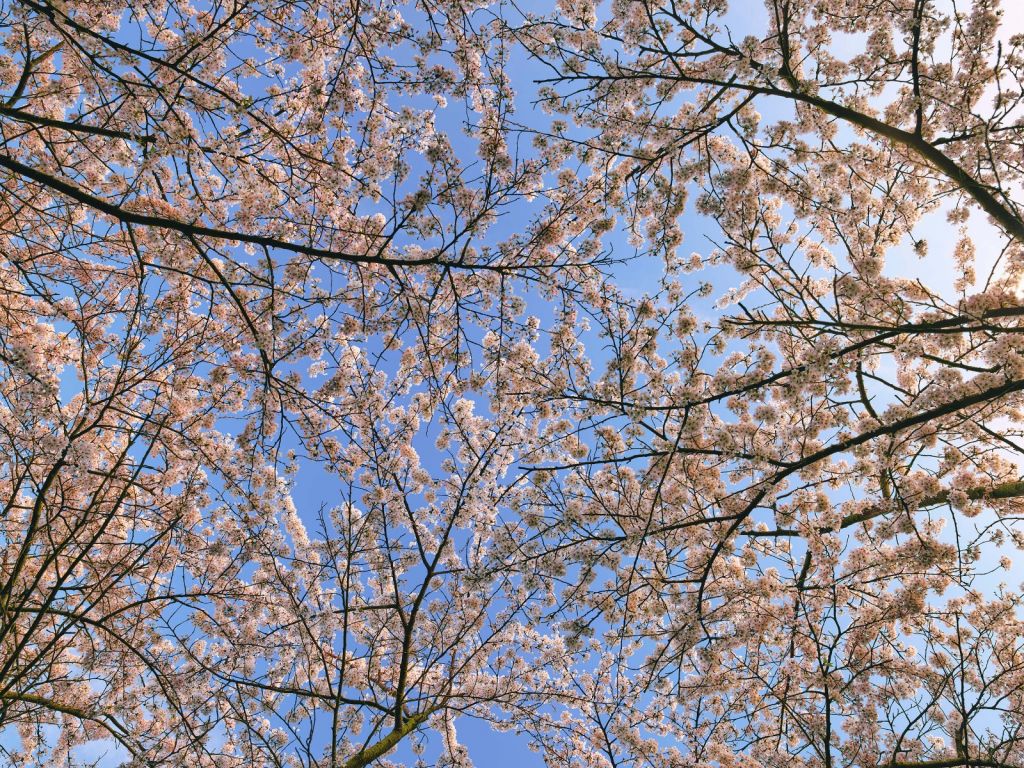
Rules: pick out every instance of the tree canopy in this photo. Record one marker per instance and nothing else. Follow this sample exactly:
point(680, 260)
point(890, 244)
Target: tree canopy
point(355, 382)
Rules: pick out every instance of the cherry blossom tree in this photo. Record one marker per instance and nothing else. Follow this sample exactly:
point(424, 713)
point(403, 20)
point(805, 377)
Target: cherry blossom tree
point(329, 416)
point(804, 494)
point(246, 247)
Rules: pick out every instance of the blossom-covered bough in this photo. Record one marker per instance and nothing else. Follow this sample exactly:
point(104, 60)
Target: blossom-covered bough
point(324, 422)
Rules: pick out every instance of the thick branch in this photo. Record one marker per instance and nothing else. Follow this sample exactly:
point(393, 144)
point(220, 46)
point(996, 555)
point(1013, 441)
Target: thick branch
point(389, 742)
point(198, 230)
point(1006, 218)
point(1009, 490)
point(51, 122)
